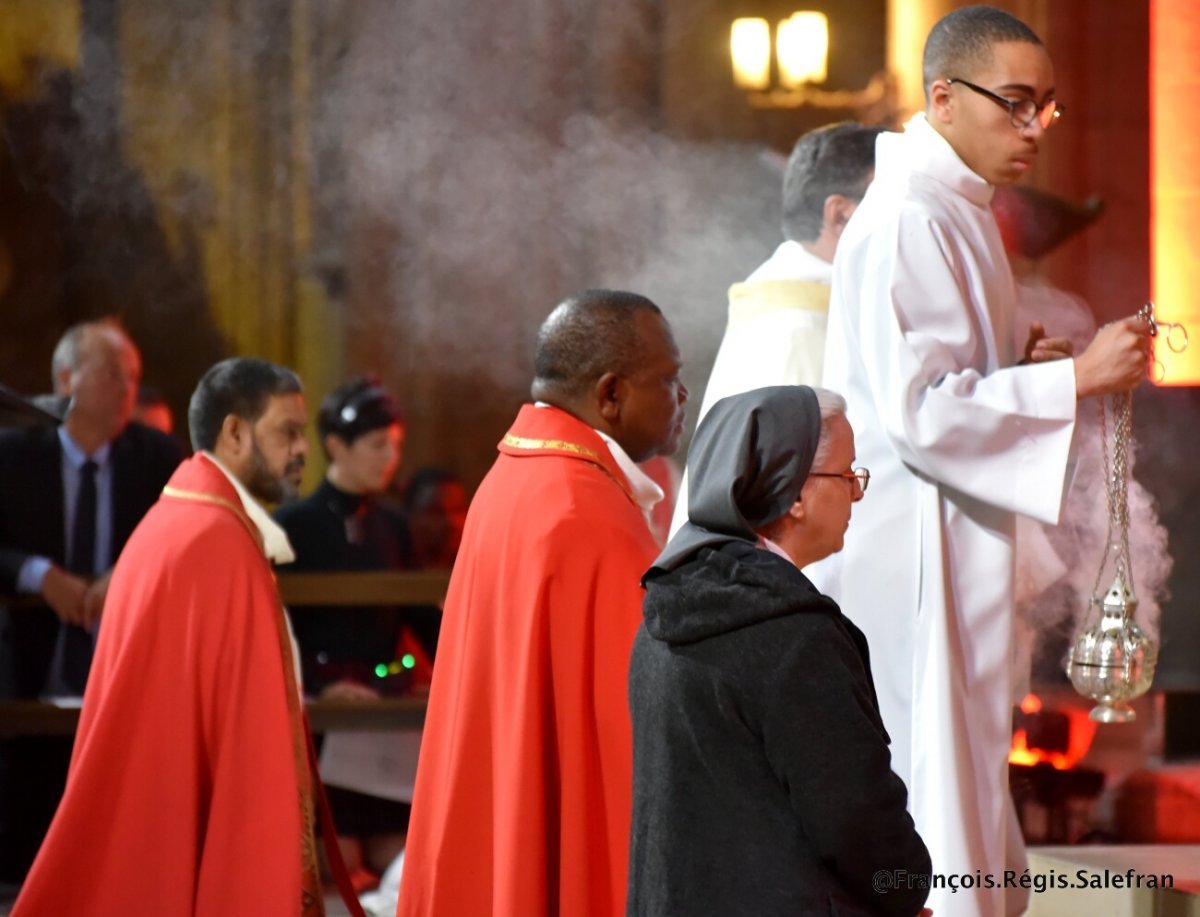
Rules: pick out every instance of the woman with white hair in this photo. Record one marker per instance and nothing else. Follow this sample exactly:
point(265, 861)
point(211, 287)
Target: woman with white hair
point(762, 778)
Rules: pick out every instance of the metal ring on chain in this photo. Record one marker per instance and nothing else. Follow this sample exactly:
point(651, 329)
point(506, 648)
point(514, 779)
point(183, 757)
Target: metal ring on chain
point(1175, 334)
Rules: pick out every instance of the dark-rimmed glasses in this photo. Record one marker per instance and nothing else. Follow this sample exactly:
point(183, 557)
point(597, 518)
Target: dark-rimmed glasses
point(856, 474)
point(1021, 112)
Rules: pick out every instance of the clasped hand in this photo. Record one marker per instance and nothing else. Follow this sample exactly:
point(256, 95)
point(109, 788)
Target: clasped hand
point(74, 599)
point(1041, 349)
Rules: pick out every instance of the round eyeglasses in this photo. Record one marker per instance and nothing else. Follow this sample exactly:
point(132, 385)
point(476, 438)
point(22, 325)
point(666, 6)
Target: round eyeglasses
point(1021, 112)
point(857, 474)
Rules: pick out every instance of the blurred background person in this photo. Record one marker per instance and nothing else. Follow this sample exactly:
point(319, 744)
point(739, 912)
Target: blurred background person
point(153, 411)
point(776, 326)
point(353, 652)
point(435, 508)
point(69, 498)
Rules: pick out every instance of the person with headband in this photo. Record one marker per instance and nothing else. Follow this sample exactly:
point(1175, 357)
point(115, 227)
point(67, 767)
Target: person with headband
point(762, 782)
point(344, 526)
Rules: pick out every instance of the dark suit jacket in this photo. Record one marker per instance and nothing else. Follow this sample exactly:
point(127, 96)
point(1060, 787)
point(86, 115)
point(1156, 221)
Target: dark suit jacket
point(31, 523)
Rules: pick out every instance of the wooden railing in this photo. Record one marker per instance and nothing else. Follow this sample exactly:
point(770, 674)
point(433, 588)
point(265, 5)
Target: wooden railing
point(31, 717)
point(298, 591)
point(425, 587)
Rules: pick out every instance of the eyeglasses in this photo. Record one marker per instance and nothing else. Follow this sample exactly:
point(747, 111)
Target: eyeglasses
point(857, 474)
point(1021, 112)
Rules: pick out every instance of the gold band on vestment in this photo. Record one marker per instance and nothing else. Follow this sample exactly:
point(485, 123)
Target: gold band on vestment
point(562, 445)
point(213, 500)
point(751, 299)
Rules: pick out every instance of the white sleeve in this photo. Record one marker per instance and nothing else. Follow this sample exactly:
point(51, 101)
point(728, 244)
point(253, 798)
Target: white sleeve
point(1002, 437)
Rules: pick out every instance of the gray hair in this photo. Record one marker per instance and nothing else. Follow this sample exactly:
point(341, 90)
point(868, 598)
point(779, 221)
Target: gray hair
point(836, 159)
point(831, 405)
point(69, 351)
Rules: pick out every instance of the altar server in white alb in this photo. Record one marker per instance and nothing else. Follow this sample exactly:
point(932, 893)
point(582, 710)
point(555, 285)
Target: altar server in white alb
point(776, 329)
point(960, 433)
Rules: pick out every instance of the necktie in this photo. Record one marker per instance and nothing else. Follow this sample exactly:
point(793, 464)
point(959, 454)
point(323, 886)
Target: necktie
point(73, 651)
point(83, 531)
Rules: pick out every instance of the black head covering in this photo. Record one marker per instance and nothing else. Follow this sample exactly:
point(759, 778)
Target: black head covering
point(746, 466)
point(357, 408)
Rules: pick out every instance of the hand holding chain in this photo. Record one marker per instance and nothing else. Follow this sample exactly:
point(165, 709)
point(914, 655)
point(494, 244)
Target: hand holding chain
point(1112, 660)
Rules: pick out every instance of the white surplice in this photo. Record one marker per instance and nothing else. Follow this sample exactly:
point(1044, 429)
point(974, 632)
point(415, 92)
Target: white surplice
point(775, 333)
point(958, 439)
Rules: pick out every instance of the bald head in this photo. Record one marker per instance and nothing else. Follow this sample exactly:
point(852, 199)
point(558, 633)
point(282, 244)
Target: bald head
point(609, 358)
point(962, 42)
point(81, 341)
point(99, 368)
point(587, 335)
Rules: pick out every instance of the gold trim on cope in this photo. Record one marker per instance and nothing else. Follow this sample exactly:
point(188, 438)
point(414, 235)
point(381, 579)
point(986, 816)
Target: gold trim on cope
point(214, 500)
point(524, 442)
point(561, 445)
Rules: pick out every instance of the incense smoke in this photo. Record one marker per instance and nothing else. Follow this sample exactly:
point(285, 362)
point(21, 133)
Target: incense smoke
point(1058, 566)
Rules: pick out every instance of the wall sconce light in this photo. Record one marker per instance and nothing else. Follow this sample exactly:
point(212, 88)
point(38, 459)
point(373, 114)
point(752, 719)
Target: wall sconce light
point(750, 48)
point(801, 59)
point(802, 49)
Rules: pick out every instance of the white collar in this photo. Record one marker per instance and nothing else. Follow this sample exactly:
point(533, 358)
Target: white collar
point(792, 261)
point(276, 546)
point(75, 454)
point(645, 492)
point(923, 150)
point(768, 545)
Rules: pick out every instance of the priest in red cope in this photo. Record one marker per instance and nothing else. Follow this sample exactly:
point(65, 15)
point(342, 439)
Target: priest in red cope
point(523, 790)
point(189, 792)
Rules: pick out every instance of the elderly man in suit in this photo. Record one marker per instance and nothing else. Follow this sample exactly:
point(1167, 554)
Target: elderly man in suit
point(69, 498)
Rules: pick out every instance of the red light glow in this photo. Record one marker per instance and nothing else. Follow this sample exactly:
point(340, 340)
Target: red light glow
point(1082, 731)
point(1175, 178)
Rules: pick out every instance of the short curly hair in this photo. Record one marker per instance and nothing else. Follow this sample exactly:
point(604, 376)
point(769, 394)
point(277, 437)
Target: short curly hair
point(587, 335)
point(962, 41)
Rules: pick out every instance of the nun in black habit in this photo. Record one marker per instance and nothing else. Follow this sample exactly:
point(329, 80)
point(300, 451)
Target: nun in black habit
point(762, 780)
